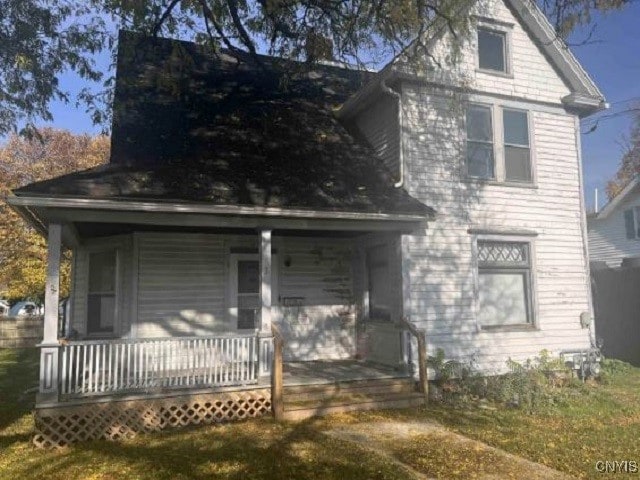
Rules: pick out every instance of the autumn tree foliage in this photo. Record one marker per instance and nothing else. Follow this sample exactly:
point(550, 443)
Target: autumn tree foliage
point(630, 164)
point(41, 39)
point(23, 251)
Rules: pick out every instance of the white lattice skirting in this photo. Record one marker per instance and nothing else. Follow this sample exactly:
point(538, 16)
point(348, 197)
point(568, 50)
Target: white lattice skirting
point(60, 426)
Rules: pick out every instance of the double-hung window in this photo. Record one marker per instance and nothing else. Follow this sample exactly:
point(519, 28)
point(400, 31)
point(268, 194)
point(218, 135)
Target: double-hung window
point(503, 154)
point(101, 298)
point(504, 283)
point(480, 158)
point(517, 153)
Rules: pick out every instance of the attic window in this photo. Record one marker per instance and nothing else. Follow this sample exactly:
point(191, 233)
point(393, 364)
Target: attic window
point(492, 50)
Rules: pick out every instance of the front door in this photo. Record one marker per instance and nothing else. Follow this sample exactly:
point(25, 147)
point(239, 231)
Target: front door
point(244, 289)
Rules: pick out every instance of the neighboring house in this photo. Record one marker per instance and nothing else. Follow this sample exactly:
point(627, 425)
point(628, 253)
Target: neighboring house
point(333, 208)
point(614, 231)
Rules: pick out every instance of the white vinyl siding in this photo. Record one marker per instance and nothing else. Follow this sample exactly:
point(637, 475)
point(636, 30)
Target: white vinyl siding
point(316, 299)
point(530, 75)
point(378, 123)
point(609, 240)
point(181, 285)
point(442, 269)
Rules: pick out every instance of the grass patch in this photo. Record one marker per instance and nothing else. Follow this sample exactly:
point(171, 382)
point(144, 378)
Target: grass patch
point(600, 422)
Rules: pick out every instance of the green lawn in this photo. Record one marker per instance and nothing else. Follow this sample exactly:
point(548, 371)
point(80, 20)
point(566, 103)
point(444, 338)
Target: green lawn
point(603, 423)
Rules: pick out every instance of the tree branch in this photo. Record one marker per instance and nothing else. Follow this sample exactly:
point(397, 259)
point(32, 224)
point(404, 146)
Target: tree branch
point(163, 18)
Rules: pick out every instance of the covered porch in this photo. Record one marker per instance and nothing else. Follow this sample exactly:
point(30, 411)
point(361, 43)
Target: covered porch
point(186, 299)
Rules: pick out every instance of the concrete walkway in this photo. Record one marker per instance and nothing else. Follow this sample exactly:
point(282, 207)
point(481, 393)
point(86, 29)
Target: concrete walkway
point(398, 441)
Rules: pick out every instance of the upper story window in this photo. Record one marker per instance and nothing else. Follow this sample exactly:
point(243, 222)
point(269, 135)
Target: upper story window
point(480, 159)
point(517, 154)
point(632, 222)
point(492, 50)
point(502, 154)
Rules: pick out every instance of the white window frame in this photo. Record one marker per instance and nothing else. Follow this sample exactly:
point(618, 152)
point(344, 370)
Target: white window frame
point(636, 221)
point(101, 248)
point(533, 295)
point(504, 145)
point(497, 108)
point(492, 114)
point(501, 28)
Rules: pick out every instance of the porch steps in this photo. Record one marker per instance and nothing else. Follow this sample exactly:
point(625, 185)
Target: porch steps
point(305, 401)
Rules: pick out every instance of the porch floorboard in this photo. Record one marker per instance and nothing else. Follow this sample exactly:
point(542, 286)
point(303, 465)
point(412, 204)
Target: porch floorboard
point(320, 372)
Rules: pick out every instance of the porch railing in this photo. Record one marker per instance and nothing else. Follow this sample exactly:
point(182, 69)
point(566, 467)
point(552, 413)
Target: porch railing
point(104, 367)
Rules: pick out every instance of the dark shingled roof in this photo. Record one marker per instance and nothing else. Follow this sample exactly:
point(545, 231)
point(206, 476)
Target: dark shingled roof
point(224, 129)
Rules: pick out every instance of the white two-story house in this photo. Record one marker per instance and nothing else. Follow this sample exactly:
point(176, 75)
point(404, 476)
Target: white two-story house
point(326, 225)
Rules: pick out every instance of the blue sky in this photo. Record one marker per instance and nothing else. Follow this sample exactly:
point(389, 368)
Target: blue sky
point(612, 58)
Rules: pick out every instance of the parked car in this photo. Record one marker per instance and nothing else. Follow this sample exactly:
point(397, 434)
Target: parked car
point(25, 308)
point(4, 308)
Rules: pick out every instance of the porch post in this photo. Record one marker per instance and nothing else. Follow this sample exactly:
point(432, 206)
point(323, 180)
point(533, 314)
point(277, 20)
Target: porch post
point(405, 278)
point(266, 353)
point(265, 281)
point(49, 348)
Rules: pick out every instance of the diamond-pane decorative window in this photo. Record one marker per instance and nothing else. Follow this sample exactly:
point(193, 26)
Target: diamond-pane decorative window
point(504, 253)
point(504, 284)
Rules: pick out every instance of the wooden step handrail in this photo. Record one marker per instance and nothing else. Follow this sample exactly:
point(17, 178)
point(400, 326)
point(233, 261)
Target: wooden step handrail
point(420, 336)
point(277, 405)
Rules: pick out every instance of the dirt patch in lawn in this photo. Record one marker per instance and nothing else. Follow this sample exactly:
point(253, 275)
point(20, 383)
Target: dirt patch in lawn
point(428, 450)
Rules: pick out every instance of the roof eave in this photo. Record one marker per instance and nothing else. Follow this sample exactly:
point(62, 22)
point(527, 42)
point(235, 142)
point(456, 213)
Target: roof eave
point(617, 200)
point(26, 201)
point(585, 104)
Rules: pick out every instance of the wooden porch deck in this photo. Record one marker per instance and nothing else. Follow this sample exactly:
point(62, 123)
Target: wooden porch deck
point(321, 372)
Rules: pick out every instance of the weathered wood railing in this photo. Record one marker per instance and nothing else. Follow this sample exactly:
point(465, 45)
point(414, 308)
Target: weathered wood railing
point(420, 336)
point(277, 404)
point(103, 367)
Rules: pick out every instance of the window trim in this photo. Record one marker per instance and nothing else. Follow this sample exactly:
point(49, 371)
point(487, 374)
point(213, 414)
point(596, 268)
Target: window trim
point(101, 248)
point(505, 144)
point(492, 115)
point(635, 209)
point(497, 108)
point(532, 307)
point(505, 29)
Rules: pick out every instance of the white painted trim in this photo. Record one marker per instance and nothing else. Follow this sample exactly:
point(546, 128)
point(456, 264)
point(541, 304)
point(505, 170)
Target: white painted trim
point(266, 281)
point(167, 207)
point(491, 25)
point(117, 243)
point(52, 287)
point(618, 199)
point(232, 282)
point(135, 273)
point(583, 230)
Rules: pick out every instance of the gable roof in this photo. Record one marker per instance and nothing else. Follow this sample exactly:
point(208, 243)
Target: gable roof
point(193, 126)
point(631, 188)
point(585, 95)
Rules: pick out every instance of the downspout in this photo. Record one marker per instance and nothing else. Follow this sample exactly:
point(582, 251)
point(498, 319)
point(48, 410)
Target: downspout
point(389, 91)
